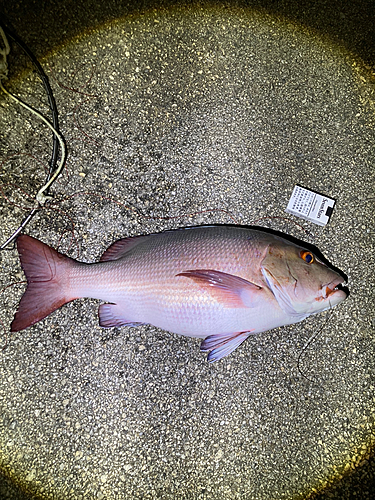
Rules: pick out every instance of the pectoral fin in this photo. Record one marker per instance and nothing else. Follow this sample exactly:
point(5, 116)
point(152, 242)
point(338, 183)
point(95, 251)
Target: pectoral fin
point(220, 345)
point(230, 290)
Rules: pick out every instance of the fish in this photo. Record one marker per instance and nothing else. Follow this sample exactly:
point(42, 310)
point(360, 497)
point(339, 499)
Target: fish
point(219, 283)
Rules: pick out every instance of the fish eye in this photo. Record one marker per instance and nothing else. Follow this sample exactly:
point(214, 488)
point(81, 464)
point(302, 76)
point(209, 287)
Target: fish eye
point(307, 256)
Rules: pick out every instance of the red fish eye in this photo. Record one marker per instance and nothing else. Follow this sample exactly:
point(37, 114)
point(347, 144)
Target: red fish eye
point(307, 256)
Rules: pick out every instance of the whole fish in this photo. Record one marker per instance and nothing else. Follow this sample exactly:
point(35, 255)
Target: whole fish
point(218, 283)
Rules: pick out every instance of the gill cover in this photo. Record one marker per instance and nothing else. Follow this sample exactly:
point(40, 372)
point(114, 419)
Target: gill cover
point(278, 276)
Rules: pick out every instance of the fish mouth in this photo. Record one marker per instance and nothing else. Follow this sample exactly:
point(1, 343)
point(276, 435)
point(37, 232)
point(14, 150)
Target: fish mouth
point(332, 288)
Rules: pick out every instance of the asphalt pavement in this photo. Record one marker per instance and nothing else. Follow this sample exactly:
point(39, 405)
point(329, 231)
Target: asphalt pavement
point(179, 115)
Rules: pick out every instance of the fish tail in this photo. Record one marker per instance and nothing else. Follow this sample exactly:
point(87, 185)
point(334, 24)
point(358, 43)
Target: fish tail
point(46, 272)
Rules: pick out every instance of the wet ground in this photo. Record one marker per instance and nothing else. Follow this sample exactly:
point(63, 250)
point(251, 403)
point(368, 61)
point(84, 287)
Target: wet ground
point(190, 116)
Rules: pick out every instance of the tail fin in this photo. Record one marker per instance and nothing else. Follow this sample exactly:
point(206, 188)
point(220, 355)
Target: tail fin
point(45, 270)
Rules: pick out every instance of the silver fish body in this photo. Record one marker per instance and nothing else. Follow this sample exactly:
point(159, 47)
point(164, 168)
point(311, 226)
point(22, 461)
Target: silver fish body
point(219, 283)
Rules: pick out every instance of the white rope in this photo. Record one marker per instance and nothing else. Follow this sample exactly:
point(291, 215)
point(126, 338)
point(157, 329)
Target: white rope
point(40, 197)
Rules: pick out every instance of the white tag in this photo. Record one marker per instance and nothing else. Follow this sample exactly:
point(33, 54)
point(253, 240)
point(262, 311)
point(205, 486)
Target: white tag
point(311, 206)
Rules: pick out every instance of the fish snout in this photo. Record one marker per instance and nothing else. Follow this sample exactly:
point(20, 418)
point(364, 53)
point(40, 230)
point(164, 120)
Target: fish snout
point(333, 289)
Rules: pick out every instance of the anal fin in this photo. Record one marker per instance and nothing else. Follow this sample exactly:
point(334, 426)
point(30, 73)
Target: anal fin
point(111, 315)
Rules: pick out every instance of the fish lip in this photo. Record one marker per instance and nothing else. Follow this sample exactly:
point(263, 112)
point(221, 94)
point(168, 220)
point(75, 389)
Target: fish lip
point(332, 287)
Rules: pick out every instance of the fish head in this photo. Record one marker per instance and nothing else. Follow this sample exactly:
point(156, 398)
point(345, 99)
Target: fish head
point(301, 282)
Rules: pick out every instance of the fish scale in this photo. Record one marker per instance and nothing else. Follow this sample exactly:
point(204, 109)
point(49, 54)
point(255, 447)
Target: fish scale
point(219, 283)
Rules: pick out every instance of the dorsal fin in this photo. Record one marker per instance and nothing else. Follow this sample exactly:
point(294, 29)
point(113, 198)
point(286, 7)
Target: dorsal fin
point(121, 247)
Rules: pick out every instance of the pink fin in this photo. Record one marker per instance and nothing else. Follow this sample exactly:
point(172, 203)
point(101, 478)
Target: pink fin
point(220, 346)
point(45, 269)
point(121, 247)
point(112, 315)
point(232, 291)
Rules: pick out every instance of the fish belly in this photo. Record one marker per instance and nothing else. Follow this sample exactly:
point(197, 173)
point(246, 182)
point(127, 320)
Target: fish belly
point(146, 287)
point(161, 298)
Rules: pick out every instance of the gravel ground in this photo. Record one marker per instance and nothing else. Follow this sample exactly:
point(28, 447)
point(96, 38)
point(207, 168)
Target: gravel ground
point(190, 116)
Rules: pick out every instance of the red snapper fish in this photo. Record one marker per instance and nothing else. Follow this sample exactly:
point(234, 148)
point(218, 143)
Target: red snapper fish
point(218, 283)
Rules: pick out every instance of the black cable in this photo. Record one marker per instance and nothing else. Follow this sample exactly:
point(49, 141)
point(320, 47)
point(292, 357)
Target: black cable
point(55, 121)
point(47, 86)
